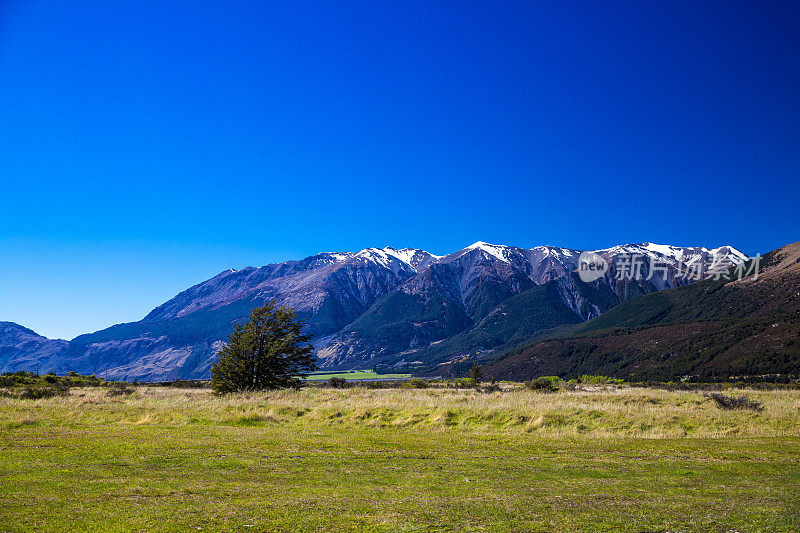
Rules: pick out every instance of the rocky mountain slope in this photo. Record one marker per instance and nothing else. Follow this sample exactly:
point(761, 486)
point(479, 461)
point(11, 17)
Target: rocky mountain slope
point(376, 306)
point(22, 348)
point(487, 298)
point(723, 329)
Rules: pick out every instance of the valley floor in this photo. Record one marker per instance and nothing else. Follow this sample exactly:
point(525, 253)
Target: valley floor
point(399, 460)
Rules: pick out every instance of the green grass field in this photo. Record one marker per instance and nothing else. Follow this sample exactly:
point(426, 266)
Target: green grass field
point(323, 459)
point(357, 375)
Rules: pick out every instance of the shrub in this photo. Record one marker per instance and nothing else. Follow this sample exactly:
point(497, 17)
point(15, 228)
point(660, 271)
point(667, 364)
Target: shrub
point(541, 385)
point(461, 383)
point(31, 379)
point(599, 380)
point(553, 379)
point(119, 389)
point(35, 393)
point(724, 401)
point(189, 384)
point(337, 382)
point(414, 383)
point(10, 379)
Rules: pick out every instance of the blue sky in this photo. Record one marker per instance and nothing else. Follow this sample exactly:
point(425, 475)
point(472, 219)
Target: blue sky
point(146, 146)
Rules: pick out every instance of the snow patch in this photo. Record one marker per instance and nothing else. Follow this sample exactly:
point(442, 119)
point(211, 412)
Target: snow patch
point(497, 251)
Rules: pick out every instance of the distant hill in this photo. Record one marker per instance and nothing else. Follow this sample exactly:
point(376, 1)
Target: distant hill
point(707, 330)
point(22, 348)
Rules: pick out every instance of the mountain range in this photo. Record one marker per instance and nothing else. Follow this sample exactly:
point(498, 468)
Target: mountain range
point(405, 308)
point(712, 330)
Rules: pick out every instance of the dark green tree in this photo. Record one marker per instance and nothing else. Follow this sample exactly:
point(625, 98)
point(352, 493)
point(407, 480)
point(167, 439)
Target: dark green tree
point(476, 374)
point(266, 352)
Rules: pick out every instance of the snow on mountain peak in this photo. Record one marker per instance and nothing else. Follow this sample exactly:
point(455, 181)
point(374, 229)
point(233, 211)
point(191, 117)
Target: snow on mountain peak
point(540, 263)
point(329, 258)
point(389, 257)
point(498, 251)
point(663, 249)
point(682, 254)
point(555, 250)
point(411, 256)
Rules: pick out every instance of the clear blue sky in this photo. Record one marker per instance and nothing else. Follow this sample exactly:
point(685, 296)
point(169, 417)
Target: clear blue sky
point(146, 146)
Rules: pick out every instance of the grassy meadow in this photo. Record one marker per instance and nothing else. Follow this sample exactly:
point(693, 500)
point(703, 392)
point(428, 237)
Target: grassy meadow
point(361, 459)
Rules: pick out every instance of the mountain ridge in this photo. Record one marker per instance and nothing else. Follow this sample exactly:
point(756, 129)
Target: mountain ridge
point(714, 329)
point(364, 307)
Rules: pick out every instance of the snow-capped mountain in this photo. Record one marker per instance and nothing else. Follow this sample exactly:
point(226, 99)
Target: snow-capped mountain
point(463, 291)
point(708, 332)
point(356, 279)
point(376, 305)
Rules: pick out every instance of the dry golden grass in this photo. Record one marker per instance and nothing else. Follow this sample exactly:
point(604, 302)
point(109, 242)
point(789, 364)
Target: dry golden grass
point(598, 412)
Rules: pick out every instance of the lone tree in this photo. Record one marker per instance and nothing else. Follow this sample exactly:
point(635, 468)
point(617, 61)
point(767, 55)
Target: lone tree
point(267, 352)
point(476, 374)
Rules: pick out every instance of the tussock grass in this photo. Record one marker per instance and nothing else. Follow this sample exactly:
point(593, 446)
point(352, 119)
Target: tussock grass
point(596, 413)
point(358, 459)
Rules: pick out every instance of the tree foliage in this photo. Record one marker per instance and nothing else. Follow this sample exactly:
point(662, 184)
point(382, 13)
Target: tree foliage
point(476, 374)
point(269, 351)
